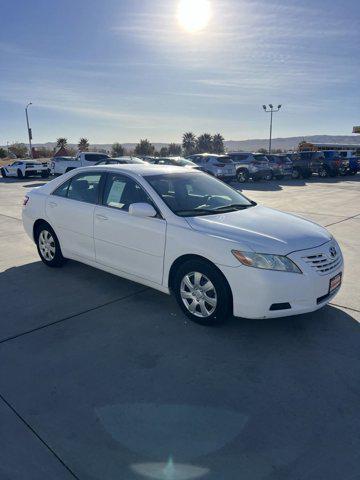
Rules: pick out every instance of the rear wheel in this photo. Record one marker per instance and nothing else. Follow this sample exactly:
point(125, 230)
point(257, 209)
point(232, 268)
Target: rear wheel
point(20, 174)
point(242, 175)
point(3, 173)
point(296, 173)
point(45, 174)
point(48, 246)
point(202, 292)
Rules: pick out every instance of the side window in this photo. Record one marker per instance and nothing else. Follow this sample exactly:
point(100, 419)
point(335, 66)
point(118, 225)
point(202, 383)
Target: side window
point(84, 187)
point(62, 190)
point(121, 191)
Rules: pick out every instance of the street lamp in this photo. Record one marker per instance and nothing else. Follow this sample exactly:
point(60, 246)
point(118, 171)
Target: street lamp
point(28, 128)
point(271, 110)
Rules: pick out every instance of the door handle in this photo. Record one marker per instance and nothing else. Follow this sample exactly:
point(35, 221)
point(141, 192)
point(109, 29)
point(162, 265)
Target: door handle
point(52, 204)
point(100, 217)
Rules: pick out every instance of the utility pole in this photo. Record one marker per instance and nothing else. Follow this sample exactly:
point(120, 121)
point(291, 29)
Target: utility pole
point(271, 110)
point(28, 128)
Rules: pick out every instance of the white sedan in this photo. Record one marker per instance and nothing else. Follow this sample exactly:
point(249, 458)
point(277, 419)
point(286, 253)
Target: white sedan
point(184, 232)
point(25, 168)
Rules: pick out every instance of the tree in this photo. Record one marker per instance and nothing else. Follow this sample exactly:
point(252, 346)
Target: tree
point(164, 152)
point(83, 145)
point(218, 143)
point(175, 150)
point(61, 142)
point(44, 152)
point(19, 149)
point(263, 151)
point(204, 143)
point(189, 143)
point(144, 147)
point(3, 153)
point(117, 150)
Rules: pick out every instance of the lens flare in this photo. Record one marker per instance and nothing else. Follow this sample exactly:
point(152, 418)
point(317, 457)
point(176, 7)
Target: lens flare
point(194, 15)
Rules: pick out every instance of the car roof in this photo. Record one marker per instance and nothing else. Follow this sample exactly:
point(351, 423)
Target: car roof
point(139, 169)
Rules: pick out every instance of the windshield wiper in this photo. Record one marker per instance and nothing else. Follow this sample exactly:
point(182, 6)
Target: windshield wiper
point(233, 206)
point(195, 211)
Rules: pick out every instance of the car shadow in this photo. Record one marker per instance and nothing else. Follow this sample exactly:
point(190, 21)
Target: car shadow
point(33, 185)
point(129, 376)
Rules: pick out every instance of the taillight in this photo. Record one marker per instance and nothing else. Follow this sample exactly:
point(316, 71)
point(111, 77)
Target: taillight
point(25, 201)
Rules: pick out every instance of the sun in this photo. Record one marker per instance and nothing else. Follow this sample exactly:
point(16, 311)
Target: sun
point(194, 15)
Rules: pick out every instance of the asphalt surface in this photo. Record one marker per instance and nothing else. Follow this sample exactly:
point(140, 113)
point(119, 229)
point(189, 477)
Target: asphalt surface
point(101, 378)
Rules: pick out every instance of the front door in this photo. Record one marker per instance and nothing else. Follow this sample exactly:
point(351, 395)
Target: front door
point(129, 244)
point(70, 210)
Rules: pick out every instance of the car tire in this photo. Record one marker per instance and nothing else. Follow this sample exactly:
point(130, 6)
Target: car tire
point(188, 287)
point(279, 177)
point(48, 246)
point(45, 174)
point(3, 173)
point(296, 173)
point(268, 176)
point(323, 171)
point(20, 174)
point(242, 175)
point(69, 169)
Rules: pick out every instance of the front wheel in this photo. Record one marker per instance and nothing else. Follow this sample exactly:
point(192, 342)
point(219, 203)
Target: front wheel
point(268, 176)
point(323, 172)
point(242, 176)
point(20, 174)
point(202, 292)
point(3, 173)
point(48, 246)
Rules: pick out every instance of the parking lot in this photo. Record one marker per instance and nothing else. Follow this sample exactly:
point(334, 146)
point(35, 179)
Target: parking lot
point(102, 378)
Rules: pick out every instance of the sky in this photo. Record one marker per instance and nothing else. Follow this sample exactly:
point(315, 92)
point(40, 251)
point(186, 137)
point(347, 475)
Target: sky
point(121, 70)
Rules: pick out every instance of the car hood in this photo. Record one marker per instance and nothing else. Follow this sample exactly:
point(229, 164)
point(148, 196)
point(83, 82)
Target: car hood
point(263, 230)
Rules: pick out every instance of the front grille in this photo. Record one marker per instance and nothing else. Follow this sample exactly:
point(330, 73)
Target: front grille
point(323, 264)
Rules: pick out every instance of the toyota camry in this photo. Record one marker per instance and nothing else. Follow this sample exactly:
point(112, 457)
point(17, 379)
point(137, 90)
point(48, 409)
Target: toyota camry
point(184, 232)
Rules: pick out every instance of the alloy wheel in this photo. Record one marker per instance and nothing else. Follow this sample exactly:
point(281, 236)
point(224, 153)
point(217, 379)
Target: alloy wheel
point(47, 245)
point(198, 294)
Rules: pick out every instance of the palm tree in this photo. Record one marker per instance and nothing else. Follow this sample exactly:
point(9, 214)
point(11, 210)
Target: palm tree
point(189, 143)
point(205, 143)
point(61, 142)
point(83, 145)
point(218, 143)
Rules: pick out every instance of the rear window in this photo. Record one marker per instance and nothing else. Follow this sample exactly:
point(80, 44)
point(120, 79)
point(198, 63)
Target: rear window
point(95, 157)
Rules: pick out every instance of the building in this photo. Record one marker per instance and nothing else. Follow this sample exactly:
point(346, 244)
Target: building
point(306, 146)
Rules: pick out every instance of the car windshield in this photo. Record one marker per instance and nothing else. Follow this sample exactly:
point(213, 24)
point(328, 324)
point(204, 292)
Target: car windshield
point(193, 194)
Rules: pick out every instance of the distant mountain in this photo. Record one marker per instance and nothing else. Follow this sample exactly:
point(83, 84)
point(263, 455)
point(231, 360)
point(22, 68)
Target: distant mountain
point(287, 143)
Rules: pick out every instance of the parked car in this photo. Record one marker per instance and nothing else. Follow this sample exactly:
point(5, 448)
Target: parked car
point(332, 164)
point(281, 166)
point(264, 166)
point(305, 163)
point(120, 161)
point(248, 167)
point(83, 159)
point(176, 161)
point(184, 232)
point(58, 164)
point(25, 168)
point(220, 166)
point(352, 161)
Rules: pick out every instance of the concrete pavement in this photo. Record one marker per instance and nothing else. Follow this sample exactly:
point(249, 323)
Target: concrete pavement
point(101, 378)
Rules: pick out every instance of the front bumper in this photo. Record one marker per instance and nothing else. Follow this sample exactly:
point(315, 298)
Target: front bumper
point(255, 291)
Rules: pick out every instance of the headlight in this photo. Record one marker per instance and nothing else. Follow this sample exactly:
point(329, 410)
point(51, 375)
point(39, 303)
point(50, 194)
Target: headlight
point(266, 262)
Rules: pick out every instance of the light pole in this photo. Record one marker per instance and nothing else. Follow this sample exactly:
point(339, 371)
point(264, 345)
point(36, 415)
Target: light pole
point(28, 128)
point(271, 110)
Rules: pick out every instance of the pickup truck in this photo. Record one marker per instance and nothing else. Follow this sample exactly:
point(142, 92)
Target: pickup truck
point(60, 165)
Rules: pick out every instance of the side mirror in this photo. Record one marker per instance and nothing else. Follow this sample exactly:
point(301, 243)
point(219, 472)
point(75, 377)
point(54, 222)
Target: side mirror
point(143, 210)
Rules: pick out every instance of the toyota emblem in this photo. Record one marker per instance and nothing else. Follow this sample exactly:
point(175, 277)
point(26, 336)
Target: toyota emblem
point(333, 252)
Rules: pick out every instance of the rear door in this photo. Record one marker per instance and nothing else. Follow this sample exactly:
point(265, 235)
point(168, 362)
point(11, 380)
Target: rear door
point(70, 210)
point(129, 244)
